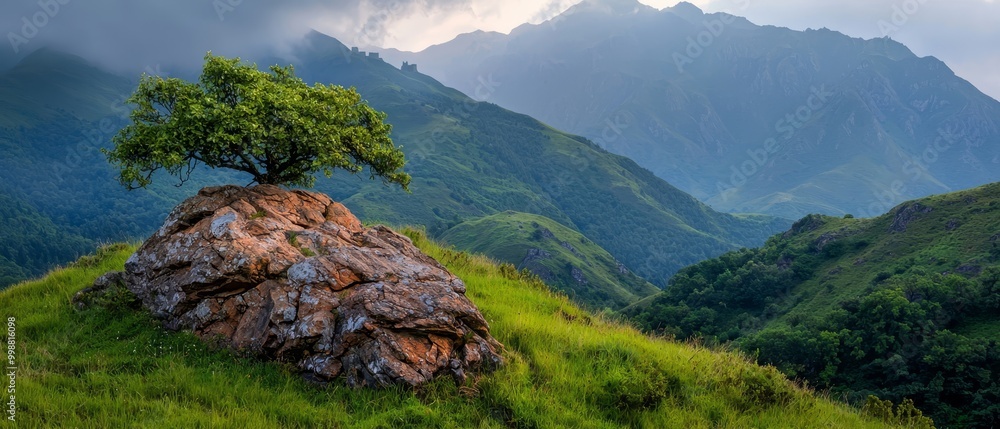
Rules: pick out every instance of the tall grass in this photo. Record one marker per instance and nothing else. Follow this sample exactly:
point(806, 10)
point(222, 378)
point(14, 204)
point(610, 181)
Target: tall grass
point(113, 366)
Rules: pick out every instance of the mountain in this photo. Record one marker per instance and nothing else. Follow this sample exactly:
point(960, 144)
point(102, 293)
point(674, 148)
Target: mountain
point(47, 82)
point(111, 365)
point(468, 159)
point(744, 117)
point(903, 305)
point(562, 257)
point(471, 159)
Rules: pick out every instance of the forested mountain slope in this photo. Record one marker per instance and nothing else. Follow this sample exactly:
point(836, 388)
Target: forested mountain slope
point(903, 305)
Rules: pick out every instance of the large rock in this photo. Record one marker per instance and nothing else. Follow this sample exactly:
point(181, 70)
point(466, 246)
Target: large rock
point(295, 277)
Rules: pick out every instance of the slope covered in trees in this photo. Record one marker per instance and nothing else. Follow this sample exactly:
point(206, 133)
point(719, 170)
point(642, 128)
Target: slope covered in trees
point(906, 305)
point(30, 243)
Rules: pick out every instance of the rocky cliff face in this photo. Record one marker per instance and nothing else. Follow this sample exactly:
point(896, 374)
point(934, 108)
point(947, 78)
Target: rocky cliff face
point(295, 277)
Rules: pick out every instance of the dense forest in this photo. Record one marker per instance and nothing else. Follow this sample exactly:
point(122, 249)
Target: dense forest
point(30, 243)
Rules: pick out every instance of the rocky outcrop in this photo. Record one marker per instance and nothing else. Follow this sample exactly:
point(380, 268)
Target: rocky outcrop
point(622, 269)
point(804, 225)
point(295, 277)
point(907, 213)
point(578, 275)
point(535, 255)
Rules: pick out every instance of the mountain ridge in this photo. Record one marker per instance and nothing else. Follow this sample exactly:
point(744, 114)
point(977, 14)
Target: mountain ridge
point(696, 111)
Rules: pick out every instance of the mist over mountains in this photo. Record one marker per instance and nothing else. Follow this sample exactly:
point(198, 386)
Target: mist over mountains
point(744, 117)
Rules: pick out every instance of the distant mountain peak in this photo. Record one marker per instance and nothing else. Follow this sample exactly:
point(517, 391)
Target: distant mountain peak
point(686, 10)
point(318, 37)
point(46, 55)
point(610, 7)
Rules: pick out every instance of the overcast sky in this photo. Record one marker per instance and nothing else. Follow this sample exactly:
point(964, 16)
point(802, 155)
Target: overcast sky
point(130, 34)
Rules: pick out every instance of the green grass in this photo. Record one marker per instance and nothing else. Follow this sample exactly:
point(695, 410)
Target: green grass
point(114, 367)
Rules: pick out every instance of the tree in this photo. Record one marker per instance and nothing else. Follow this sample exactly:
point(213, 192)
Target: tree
point(270, 125)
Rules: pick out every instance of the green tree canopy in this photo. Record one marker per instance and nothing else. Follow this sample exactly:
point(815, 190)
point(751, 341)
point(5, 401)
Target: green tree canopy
point(270, 125)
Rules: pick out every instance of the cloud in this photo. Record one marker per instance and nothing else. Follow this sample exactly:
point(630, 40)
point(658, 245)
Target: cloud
point(129, 35)
point(416, 31)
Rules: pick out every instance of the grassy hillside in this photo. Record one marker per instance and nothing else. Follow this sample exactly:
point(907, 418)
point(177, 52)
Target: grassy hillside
point(903, 305)
point(113, 367)
point(562, 257)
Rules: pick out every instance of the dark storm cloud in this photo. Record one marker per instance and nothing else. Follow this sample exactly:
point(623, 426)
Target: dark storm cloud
point(134, 34)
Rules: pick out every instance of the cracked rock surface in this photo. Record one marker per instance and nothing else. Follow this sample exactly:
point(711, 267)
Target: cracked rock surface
point(293, 276)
